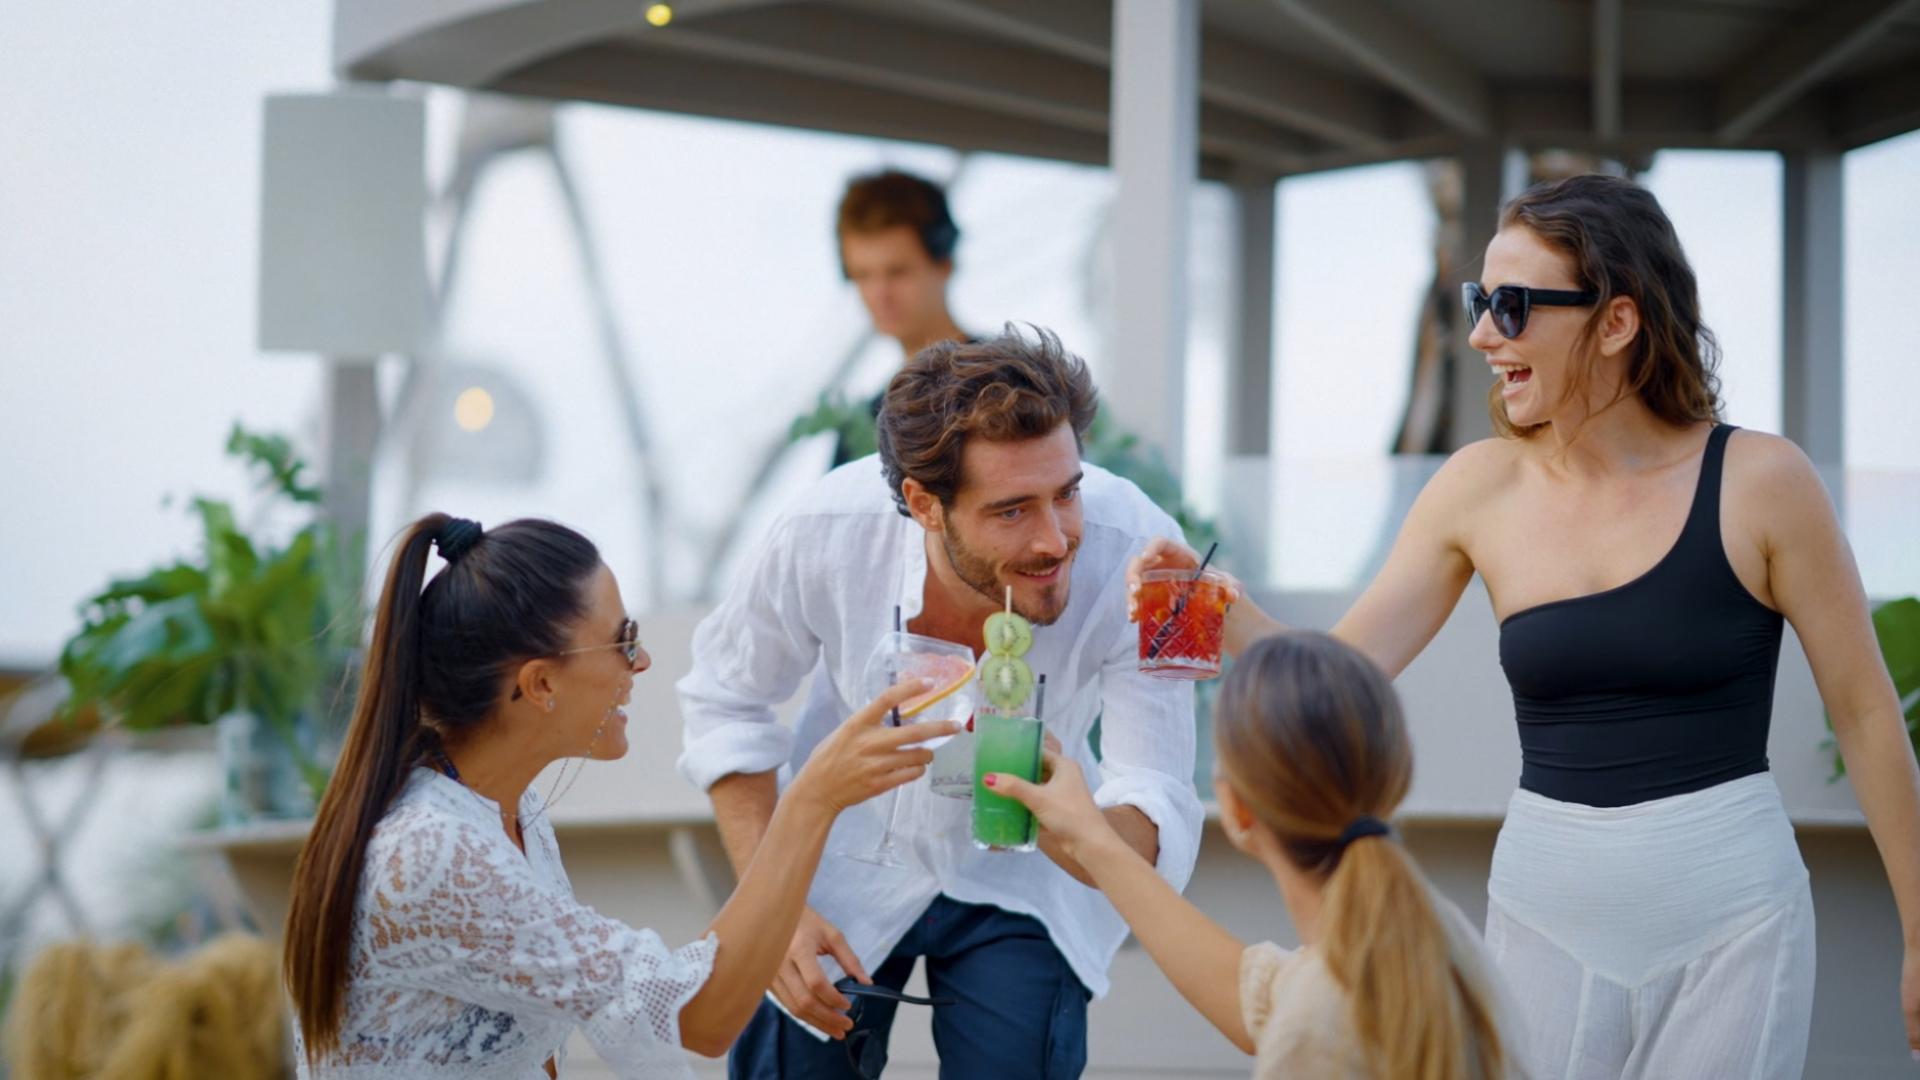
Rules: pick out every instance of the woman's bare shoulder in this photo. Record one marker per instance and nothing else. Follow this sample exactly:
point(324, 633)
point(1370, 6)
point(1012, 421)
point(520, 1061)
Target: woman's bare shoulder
point(1763, 455)
point(1479, 469)
point(1768, 470)
point(1772, 491)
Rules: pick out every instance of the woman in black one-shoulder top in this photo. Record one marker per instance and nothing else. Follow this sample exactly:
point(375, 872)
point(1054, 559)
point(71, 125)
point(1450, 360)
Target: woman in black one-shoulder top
point(1648, 905)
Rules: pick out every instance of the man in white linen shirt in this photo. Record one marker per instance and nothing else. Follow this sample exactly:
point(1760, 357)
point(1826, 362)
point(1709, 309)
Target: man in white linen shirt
point(978, 486)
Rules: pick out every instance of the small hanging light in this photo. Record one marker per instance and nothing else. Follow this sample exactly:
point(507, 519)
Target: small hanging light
point(473, 409)
point(659, 14)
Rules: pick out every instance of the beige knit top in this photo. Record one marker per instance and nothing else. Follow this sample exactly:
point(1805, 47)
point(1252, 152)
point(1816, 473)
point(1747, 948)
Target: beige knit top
point(1298, 1015)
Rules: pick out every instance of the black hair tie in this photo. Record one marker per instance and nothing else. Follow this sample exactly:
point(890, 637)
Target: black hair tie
point(457, 537)
point(1361, 826)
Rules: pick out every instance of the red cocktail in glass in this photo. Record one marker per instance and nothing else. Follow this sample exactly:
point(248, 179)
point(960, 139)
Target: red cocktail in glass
point(1181, 617)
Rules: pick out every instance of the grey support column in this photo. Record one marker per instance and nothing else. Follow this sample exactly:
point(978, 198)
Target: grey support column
point(1246, 513)
point(352, 437)
point(1155, 116)
point(1483, 172)
point(1250, 364)
point(1812, 381)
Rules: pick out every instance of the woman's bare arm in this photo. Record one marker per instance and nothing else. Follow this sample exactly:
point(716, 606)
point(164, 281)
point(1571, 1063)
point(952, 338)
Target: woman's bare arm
point(1816, 585)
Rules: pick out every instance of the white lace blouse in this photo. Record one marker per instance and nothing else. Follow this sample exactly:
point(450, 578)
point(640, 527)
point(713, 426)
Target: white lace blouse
point(472, 960)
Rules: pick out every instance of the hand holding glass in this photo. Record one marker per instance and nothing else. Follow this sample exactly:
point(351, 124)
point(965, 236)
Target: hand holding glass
point(948, 666)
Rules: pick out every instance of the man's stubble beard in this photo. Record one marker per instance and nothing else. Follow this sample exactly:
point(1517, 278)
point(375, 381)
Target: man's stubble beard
point(976, 571)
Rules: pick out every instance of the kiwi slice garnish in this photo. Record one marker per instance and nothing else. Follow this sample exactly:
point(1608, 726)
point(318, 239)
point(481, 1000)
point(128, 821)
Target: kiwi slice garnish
point(1006, 681)
point(1008, 634)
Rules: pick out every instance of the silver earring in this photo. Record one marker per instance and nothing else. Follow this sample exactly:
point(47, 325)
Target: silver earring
point(549, 704)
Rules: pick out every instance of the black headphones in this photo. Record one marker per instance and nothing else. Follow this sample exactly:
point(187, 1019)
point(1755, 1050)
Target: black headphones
point(941, 235)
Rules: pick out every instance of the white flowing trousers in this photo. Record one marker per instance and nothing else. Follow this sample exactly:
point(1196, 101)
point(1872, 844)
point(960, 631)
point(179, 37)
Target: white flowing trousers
point(1668, 939)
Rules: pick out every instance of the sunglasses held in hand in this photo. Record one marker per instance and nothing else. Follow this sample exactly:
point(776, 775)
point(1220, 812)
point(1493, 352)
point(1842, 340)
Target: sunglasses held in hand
point(867, 1057)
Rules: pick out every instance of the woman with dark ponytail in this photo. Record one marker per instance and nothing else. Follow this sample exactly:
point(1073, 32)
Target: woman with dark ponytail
point(432, 931)
point(1390, 982)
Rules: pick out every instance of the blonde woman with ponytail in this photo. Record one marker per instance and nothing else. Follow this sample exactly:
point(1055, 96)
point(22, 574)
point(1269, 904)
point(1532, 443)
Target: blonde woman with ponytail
point(1390, 982)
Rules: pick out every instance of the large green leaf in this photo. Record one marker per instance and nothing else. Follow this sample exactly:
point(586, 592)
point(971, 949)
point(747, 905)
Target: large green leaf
point(275, 454)
point(230, 555)
point(160, 584)
point(1897, 624)
point(170, 629)
point(851, 421)
point(246, 626)
point(149, 662)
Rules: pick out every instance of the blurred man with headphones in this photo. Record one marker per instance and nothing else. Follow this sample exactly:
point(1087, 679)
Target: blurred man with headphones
point(896, 246)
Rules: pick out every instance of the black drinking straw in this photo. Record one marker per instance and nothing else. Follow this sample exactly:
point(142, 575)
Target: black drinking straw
point(1039, 744)
point(1166, 628)
point(894, 676)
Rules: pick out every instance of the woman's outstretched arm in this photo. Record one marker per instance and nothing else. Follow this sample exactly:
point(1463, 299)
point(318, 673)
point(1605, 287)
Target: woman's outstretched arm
point(1199, 956)
point(1404, 606)
point(861, 759)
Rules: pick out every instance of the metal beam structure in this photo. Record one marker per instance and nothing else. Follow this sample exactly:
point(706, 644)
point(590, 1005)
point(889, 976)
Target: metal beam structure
point(474, 43)
point(1233, 75)
point(1286, 86)
point(1342, 112)
point(1799, 55)
point(1396, 54)
point(1082, 29)
point(910, 58)
point(660, 78)
point(1879, 108)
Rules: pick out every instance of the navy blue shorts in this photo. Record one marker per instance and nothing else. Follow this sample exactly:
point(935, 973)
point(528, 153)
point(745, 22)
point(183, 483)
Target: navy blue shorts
point(1018, 1012)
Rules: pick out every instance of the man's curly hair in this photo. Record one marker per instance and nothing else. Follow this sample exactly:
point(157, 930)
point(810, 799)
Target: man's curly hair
point(1004, 389)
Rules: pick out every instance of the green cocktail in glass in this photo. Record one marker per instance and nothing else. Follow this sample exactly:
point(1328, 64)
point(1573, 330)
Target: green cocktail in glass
point(1004, 744)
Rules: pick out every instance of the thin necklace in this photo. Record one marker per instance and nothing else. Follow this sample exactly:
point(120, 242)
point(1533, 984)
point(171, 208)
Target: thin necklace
point(546, 802)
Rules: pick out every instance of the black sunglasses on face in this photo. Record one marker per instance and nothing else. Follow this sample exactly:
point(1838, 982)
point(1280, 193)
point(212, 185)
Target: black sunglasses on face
point(1511, 304)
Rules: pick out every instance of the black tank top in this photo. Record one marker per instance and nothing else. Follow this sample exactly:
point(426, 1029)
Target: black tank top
point(1659, 687)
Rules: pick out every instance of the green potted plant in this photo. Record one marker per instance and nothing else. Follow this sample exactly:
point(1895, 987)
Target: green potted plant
point(1896, 624)
point(244, 635)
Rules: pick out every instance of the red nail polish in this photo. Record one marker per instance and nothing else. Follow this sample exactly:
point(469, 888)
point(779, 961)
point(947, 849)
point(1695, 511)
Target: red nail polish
point(987, 779)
